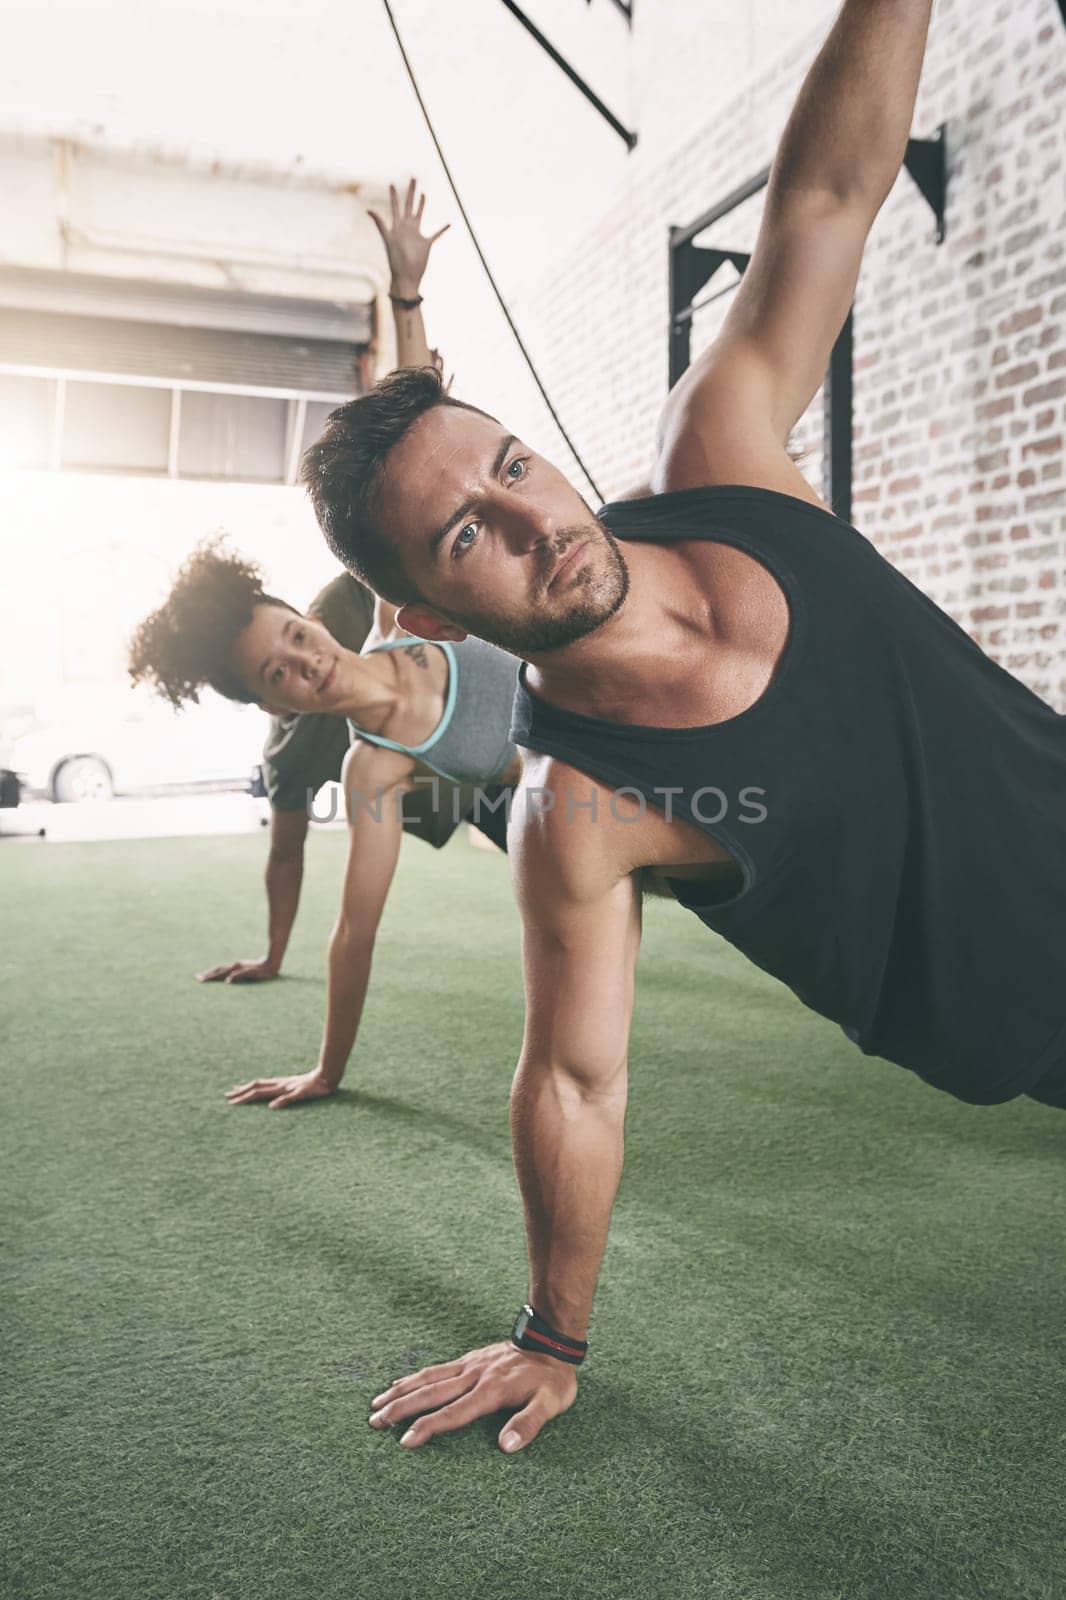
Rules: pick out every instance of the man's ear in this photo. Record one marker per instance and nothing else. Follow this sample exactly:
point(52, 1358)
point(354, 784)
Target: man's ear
point(428, 624)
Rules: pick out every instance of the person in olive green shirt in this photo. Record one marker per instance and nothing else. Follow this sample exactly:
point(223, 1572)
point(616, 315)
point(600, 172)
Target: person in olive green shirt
point(303, 751)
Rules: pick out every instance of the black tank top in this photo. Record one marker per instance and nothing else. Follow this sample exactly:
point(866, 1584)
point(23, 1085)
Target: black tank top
point(905, 863)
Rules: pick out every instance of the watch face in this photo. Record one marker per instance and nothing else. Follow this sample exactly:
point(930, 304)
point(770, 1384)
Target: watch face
point(521, 1323)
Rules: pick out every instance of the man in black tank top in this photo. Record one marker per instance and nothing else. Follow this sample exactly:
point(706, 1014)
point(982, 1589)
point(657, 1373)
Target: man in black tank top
point(814, 758)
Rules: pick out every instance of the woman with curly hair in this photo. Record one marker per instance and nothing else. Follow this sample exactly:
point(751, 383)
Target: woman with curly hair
point(417, 712)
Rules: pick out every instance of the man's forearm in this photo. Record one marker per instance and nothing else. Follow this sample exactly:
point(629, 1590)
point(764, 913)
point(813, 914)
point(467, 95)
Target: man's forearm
point(848, 130)
point(348, 976)
point(568, 1147)
point(412, 346)
point(284, 876)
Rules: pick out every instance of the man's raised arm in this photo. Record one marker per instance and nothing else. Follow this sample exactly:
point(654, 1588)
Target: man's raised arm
point(839, 156)
point(408, 251)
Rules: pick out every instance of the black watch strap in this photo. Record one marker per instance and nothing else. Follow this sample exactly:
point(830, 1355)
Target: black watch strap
point(532, 1332)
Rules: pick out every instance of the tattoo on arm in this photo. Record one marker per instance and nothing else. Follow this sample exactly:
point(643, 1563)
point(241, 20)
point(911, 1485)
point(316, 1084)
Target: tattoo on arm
point(418, 652)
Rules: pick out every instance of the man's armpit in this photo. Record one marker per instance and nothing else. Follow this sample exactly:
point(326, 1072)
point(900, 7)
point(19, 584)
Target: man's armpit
point(650, 884)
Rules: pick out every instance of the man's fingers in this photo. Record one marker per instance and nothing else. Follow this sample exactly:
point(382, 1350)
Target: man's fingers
point(435, 236)
point(525, 1425)
point(212, 974)
point(421, 208)
point(424, 1399)
point(394, 203)
point(379, 224)
point(409, 201)
point(478, 1402)
point(443, 1369)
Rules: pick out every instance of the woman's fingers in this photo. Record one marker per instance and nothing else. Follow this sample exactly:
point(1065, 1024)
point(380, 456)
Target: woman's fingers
point(255, 1090)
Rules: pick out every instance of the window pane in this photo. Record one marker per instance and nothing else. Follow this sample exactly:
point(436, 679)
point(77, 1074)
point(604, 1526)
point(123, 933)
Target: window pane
point(232, 436)
point(25, 421)
point(315, 420)
point(107, 425)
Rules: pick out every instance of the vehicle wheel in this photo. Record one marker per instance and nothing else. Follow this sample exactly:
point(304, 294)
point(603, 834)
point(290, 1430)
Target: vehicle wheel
point(82, 778)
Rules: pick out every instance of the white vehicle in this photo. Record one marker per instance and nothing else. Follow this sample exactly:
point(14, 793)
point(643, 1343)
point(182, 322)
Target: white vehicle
point(140, 745)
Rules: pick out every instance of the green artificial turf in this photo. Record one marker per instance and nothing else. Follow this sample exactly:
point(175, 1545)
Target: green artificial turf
point(826, 1348)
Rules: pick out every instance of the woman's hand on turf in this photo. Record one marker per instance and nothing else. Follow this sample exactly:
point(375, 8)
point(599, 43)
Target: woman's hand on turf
point(239, 972)
point(405, 244)
point(496, 1377)
point(282, 1091)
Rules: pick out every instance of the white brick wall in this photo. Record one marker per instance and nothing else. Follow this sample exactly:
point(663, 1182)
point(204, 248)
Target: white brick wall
point(960, 369)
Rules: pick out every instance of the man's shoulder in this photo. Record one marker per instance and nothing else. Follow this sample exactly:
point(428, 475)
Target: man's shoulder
point(302, 751)
point(568, 830)
point(347, 609)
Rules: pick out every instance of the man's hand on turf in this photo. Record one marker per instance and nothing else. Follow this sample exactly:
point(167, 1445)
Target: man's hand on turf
point(498, 1376)
point(239, 972)
point(282, 1091)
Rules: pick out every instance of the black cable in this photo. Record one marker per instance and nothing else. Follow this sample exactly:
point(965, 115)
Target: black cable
point(481, 255)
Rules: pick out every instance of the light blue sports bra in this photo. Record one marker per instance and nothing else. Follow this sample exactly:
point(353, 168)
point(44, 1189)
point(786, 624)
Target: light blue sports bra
point(471, 743)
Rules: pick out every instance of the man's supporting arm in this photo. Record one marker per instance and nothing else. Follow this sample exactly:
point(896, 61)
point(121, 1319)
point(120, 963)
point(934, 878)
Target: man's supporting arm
point(568, 1098)
point(581, 937)
point(840, 153)
point(284, 876)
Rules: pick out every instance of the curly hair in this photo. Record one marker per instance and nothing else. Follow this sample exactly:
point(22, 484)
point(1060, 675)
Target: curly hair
point(188, 642)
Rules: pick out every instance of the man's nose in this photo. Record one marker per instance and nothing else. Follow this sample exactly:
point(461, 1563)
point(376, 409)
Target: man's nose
point(525, 527)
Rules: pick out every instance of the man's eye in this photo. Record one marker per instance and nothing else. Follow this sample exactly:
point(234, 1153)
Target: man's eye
point(299, 636)
point(520, 464)
point(276, 675)
point(464, 544)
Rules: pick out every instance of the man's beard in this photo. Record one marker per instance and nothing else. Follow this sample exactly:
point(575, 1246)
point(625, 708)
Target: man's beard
point(537, 633)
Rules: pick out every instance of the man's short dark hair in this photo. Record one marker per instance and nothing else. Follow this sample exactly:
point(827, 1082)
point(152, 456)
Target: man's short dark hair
point(342, 471)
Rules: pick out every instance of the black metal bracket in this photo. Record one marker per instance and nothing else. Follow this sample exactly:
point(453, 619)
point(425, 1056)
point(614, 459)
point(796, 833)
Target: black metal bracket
point(624, 6)
point(691, 269)
point(590, 94)
point(926, 161)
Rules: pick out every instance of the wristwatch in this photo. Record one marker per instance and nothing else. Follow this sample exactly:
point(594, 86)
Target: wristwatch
point(531, 1332)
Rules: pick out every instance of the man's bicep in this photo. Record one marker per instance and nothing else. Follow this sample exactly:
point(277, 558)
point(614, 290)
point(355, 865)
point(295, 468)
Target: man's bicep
point(579, 958)
point(795, 296)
